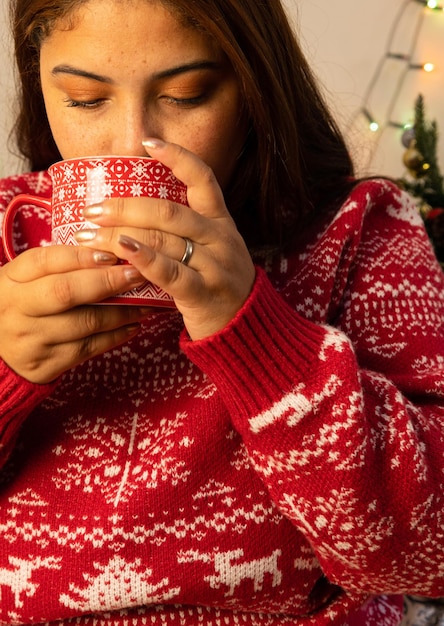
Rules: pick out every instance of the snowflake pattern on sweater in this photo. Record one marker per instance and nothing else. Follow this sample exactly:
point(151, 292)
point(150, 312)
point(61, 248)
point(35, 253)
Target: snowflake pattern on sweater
point(280, 472)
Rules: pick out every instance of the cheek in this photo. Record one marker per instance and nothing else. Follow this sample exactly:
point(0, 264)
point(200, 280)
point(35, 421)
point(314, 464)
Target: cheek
point(226, 145)
point(228, 135)
point(222, 155)
point(62, 134)
point(75, 140)
point(218, 141)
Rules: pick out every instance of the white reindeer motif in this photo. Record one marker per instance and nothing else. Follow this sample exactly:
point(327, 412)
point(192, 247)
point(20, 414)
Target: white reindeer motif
point(18, 579)
point(232, 574)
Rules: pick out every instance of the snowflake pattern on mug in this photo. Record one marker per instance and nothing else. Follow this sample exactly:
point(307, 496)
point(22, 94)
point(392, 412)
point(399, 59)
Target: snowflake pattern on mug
point(84, 181)
point(80, 182)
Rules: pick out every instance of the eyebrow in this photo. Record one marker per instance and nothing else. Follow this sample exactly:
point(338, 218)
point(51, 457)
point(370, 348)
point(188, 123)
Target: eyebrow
point(75, 71)
point(174, 71)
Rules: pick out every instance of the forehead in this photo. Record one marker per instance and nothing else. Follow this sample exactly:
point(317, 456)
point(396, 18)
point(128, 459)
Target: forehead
point(70, 14)
point(115, 31)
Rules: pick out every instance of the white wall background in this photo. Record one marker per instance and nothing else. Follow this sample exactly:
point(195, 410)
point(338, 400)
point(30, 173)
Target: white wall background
point(344, 40)
point(8, 163)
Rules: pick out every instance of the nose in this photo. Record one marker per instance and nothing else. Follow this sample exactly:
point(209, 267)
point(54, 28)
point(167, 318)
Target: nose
point(130, 128)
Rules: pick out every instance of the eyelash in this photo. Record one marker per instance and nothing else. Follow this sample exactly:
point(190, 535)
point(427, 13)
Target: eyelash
point(185, 101)
point(94, 104)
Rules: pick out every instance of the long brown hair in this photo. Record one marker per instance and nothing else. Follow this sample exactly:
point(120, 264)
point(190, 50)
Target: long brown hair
point(295, 162)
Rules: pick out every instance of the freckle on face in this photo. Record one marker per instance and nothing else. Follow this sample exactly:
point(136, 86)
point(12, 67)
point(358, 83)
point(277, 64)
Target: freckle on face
point(134, 108)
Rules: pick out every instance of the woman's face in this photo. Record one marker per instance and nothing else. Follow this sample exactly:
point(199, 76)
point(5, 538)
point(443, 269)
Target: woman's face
point(128, 70)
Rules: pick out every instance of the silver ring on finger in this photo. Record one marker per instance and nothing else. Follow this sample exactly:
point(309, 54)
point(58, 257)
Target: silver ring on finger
point(189, 249)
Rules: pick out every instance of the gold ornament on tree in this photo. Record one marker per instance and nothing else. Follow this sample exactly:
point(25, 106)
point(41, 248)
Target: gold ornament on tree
point(414, 161)
point(423, 179)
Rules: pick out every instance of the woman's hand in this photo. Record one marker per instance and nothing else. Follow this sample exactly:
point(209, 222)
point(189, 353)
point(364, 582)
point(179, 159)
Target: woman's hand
point(46, 325)
point(149, 233)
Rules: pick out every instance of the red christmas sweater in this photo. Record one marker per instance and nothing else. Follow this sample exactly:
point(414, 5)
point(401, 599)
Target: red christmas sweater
point(280, 472)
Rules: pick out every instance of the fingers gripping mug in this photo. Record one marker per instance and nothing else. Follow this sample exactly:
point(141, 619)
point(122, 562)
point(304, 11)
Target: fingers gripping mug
point(79, 182)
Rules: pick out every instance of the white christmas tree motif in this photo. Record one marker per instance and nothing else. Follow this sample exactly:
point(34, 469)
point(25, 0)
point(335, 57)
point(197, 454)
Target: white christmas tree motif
point(117, 584)
point(28, 498)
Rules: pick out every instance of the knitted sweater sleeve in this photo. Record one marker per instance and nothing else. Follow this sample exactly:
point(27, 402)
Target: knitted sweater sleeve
point(17, 399)
point(18, 396)
point(343, 418)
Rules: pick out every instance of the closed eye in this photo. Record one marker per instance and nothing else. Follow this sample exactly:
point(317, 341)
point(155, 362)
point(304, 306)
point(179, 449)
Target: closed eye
point(84, 104)
point(184, 101)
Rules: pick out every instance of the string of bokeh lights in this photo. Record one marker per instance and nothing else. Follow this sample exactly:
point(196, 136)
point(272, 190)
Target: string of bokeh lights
point(375, 123)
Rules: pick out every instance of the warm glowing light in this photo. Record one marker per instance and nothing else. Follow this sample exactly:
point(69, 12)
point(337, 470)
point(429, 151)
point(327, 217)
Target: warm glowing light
point(374, 126)
point(406, 64)
point(426, 67)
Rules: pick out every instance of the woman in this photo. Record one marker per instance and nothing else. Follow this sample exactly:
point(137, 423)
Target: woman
point(271, 453)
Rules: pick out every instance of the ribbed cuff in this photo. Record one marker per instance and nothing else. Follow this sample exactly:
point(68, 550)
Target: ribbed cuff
point(18, 398)
point(264, 352)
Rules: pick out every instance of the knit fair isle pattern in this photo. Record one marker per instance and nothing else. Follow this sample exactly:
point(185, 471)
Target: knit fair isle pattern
point(280, 472)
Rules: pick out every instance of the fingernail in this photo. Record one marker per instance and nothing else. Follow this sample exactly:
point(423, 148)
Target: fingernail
point(153, 143)
point(129, 243)
point(85, 235)
point(133, 276)
point(92, 211)
point(104, 258)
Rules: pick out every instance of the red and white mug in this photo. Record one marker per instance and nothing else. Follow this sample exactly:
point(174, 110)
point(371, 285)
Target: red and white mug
point(79, 182)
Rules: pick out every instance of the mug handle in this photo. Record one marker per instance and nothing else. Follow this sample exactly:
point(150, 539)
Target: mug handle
point(10, 213)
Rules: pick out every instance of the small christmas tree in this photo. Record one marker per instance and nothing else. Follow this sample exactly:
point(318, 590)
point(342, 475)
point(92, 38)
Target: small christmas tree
point(424, 180)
